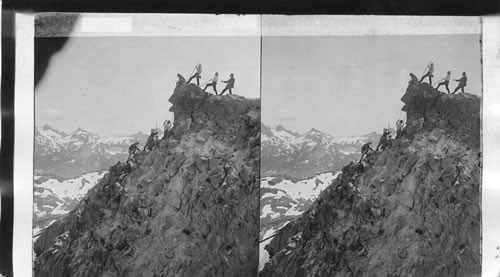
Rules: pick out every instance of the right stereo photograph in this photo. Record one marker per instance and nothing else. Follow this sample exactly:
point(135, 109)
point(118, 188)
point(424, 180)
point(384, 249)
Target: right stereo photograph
point(371, 147)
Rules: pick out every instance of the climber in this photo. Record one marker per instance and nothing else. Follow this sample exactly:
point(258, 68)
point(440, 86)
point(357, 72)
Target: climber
point(196, 75)
point(365, 149)
point(181, 79)
point(430, 71)
point(347, 172)
point(213, 83)
point(383, 140)
point(462, 82)
point(413, 79)
point(399, 128)
point(157, 137)
point(125, 169)
point(445, 82)
point(150, 143)
point(388, 142)
point(132, 150)
point(166, 128)
point(230, 84)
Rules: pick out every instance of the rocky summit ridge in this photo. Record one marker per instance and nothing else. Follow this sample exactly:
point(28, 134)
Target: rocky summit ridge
point(190, 207)
point(411, 210)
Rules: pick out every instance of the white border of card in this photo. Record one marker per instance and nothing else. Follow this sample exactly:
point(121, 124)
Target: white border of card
point(255, 25)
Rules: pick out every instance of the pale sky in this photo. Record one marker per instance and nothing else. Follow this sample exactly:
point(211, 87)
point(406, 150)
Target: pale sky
point(121, 85)
point(352, 85)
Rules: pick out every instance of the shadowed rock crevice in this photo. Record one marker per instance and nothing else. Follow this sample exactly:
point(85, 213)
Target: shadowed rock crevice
point(188, 208)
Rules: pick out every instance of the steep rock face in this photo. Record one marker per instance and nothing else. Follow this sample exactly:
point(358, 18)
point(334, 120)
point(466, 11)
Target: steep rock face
point(459, 114)
point(414, 210)
point(189, 208)
point(283, 199)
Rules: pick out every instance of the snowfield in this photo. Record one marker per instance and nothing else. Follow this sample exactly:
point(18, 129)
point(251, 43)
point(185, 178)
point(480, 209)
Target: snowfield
point(55, 197)
point(308, 189)
point(72, 188)
point(283, 199)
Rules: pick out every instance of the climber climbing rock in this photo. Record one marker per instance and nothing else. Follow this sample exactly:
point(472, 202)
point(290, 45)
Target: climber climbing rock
point(213, 83)
point(365, 149)
point(230, 84)
point(196, 75)
point(132, 150)
point(157, 137)
point(383, 140)
point(413, 79)
point(150, 143)
point(125, 169)
point(399, 128)
point(181, 79)
point(429, 71)
point(388, 142)
point(462, 82)
point(445, 82)
point(166, 128)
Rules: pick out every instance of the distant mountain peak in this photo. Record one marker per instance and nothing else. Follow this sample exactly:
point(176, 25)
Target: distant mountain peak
point(81, 131)
point(47, 127)
point(280, 128)
point(314, 130)
point(315, 133)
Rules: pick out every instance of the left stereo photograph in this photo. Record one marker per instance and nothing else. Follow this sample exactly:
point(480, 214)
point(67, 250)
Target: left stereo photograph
point(146, 145)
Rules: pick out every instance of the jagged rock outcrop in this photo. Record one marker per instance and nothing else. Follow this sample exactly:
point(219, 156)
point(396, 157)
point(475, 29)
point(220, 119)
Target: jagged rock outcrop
point(428, 109)
point(188, 208)
point(414, 210)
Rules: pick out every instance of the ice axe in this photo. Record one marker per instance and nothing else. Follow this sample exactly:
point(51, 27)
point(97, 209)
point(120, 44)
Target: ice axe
point(425, 70)
point(194, 68)
point(205, 83)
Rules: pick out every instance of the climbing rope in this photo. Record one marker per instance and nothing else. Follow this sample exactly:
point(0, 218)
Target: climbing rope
point(424, 70)
point(205, 83)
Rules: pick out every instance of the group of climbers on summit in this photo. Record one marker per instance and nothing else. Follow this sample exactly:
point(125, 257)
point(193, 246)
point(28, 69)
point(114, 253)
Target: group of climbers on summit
point(429, 71)
point(386, 139)
point(210, 83)
point(153, 139)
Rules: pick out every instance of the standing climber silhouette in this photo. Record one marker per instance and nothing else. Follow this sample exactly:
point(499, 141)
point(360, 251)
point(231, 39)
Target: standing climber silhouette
point(383, 140)
point(166, 128)
point(399, 128)
point(150, 143)
point(230, 84)
point(181, 79)
point(445, 82)
point(430, 71)
point(196, 75)
point(462, 82)
point(213, 83)
point(413, 79)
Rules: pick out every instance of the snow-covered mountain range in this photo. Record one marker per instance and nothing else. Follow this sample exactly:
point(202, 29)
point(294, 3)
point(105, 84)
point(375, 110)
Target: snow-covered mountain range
point(282, 199)
point(54, 197)
point(288, 153)
point(295, 169)
point(68, 165)
point(71, 155)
